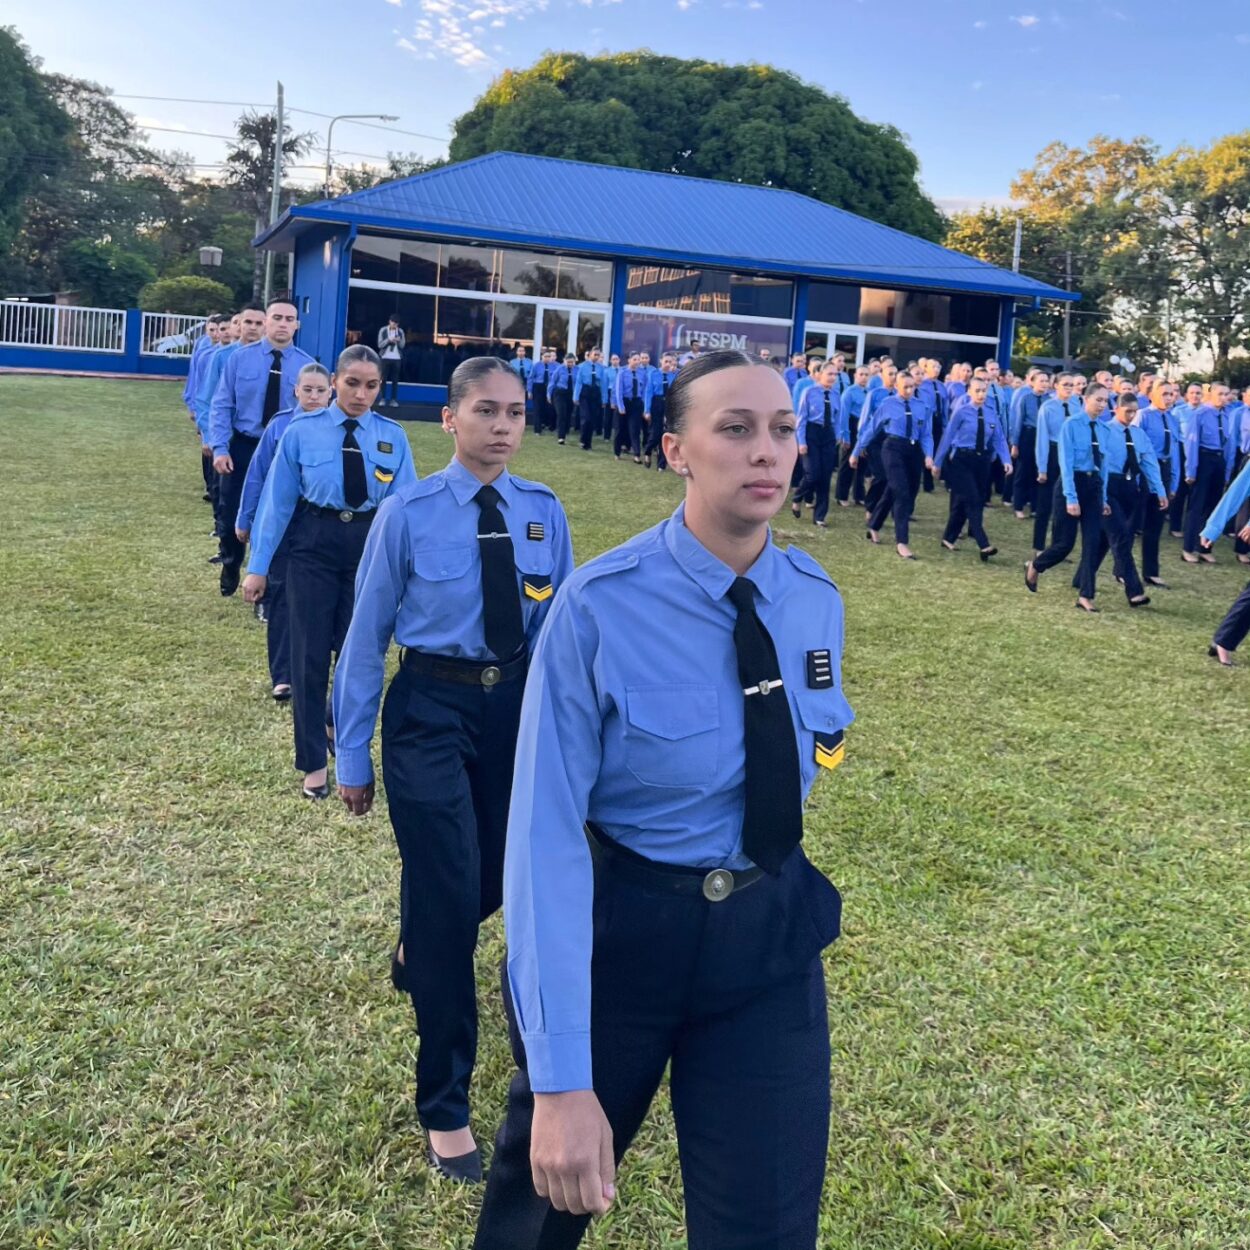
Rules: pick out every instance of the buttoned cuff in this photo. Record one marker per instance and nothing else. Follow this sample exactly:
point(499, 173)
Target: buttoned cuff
point(353, 766)
point(558, 1062)
point(221, 451)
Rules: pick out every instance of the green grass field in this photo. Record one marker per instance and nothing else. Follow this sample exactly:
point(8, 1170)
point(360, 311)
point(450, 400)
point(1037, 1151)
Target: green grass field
point(1039, 1007)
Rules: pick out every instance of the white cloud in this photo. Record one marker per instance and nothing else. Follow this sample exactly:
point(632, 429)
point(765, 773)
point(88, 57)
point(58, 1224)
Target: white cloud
point(755, 4)
point(455, 30)
point(683, 5)
point(399, 4)
point(979, 25)
point(1027, 20)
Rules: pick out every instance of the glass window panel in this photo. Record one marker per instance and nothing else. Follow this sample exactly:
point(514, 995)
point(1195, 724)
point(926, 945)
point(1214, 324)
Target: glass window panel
point(657, 333)
point(938, 311)
point(974, 314)
point(709, 291)
point(418, 262)
point(816, 343)
point(376, 259)
point(848, 345)
point(466, 267)
point(514, 323)
point(589, 280)
point(556, 330)
point(833, 301)
point(907, 349)
point(464, 318)
point(590, 326)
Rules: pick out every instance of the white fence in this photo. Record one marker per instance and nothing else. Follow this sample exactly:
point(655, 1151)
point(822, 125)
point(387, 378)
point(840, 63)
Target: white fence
point(71, 329)
point(169, 334)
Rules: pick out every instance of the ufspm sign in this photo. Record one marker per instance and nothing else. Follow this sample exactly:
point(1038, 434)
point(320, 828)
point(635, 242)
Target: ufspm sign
point(687, 336)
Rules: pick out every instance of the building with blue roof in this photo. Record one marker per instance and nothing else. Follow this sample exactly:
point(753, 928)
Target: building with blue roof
point(507, 249)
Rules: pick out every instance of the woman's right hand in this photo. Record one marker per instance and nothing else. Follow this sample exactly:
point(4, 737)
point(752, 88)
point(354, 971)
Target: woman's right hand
point(571, 1152)
point(357, 799)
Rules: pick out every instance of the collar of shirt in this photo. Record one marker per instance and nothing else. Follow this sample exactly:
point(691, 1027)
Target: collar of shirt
point(464, 486)
point(338, 416)
point(711, 574)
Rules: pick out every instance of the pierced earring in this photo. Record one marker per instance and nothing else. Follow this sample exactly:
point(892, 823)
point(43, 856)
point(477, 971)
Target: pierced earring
point(685, 472)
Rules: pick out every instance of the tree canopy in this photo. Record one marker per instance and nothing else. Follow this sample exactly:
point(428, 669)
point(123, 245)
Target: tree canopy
point(735, 123)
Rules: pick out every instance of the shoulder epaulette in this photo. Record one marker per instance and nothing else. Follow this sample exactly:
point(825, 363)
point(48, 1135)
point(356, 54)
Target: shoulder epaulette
point(424, 487)
point(809, 565)
point(524, 483)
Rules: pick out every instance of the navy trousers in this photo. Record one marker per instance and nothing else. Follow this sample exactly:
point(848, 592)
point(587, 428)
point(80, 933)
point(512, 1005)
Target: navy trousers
point(904, 463)
point(278, 619)
point(562, 402)
point(538, 407)
point(732, 996)
point(819, 466)
point(1120, 531)
point(1150, 519)
point(229, 492)
point(321, 591)
point(447, 752)
point(589, 414)
point(655, 430)
point(1024, 488)
point(1048, 504)
point(1236, 625)
point(1176, 513)
point(876, 470)
point(850, 480)
point(629, 429)
point(1204, 494)
point(968, 475)
point(1088, 525)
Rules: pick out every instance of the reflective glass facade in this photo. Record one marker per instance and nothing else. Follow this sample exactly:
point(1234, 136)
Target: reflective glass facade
point(937, 312)
point(709, 291)
point(657, 332)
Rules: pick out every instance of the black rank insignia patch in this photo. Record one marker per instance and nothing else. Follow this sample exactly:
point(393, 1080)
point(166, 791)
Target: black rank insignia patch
point(386, 449)
point(830, 749)
point(819, 670)
point(534, 531)
point(537, 588)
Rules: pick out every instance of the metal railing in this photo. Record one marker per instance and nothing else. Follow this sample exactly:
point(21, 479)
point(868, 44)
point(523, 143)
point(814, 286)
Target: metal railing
point(169, 334)
point(24, 324)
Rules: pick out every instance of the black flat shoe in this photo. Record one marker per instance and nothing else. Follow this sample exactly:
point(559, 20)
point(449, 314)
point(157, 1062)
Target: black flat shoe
point(1083, 608)
point(1030, 586)
point(318, 793)
point(282, 693)
point(214, 559)
point(229, 579)
point(1143, 602)
point(465, 1168)
point(987, 552)
point(1158, 582)
point(796, 511)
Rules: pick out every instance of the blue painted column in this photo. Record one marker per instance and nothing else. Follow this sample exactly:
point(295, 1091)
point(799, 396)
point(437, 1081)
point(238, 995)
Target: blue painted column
point(620, 277)
point(131, 359)
point(1006, 332)
point(800, 316)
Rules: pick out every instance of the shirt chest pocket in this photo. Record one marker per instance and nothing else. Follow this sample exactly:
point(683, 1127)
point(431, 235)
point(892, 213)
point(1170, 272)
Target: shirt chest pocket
point(534, 562)
point(315, 457)
point(823, 716)
point(672, 734)
point(382, 464)
point(442, 565)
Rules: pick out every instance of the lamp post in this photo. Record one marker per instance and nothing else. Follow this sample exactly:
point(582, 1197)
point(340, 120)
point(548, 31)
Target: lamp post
point(350, 117)
point(210, 257)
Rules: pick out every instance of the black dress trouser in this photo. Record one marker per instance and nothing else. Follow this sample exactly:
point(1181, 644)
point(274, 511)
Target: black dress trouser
point(1024, 484)
point(447, 752)
point(850, 480)
point(732, 995)
point(1049, 504)
point(1236, 624)
point(968, 475)
point(1150, 519)
point(230, 492)
point(1088, 525)
point(1204, 494)
point(562, 402)
point(904, 463)
point(1120, 530)
point(819, 466)
point(589, 415)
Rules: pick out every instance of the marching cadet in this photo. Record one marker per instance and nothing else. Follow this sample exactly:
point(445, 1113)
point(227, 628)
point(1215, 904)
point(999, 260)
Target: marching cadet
point(972, 440)
point(659, 907)
point(1240, 425)
point(818, 413)
point(1163, 430)
point(206, 343)
point(797, 369)
point(257, 382)
point(851, 481)
point(1183, 411)
point(460, 569)
point(1079, 385)
point(1130, 461)
point(612, 372)
point(591, 395)
point(1051, 417)
point(312, 394)
point(560, 395)
point(1083, 475)
point(814, 365)
point(630, 402)
point(1209, 451)
point(521, 364)
point(241, 329)
point(886, 381)
point(658, 387)
point(1236, 624)
point(330, 473)
point(1026, 404)
point(932, 390)
point(907, 449)
point(536, 389)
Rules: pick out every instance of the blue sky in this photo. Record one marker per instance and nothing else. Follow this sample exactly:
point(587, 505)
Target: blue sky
point(979, 86)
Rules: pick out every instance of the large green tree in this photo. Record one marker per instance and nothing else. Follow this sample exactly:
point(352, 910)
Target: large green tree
point(36, 141)
point(736, 123)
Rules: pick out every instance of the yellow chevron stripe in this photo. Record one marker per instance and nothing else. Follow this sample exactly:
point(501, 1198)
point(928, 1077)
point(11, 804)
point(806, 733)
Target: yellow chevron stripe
point(827, 758)
point(539, 594)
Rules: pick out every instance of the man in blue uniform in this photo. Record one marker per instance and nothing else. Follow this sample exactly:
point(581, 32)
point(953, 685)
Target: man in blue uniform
point(630, 402)
point(931, 389)
point(1160, 426)
point(560, 395)
point(1210, 448)
point(657, 400)
point(590, 395)
point(1026, 403)
point(1182, 411)
point(851, 481)
point(1051, 415)
point(817, 436)
point(257, 382)
point(237, 331)
point(536, 389)
point(204, 345)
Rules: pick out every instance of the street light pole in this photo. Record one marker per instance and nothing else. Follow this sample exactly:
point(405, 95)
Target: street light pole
point(350, 117)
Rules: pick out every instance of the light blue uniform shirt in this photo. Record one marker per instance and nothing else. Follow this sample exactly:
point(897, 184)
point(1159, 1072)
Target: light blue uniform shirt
point(890, 417)
point(538, 375)
point(561, 379)
point(521, 366)
point(194, 368)
point(874, 382)
point(239, 399)
point(582, 378)
point(1076, 454)
point(1114, 442)
point(258, 468)
point(1025, 408)
point(658, 386)
point(309, 465)
point(1183, 412)
point(1209, 430)
point(210, 376)
point(1228, 507)
point(796, 392)
point(961, 434)
point(852, 405)
point(934, 394)
point(1051, 417)
point(612, 371)
point(811, 411)
point(420, 581)
point(1164, 433)
point(653, 753)
point(630, 384)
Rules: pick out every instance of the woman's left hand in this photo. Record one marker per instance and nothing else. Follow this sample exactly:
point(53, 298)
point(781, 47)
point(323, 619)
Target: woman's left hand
point(357, 799)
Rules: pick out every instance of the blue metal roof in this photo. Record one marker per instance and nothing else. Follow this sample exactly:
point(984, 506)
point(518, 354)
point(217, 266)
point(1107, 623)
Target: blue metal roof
point(538, 201)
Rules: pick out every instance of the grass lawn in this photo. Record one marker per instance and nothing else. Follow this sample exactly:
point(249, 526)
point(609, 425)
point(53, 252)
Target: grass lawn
point(1039, 1007)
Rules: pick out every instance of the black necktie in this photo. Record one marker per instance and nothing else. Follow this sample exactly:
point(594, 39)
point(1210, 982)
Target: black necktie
point(910, 430)
point(772, 822)
point(1219, 416)
point(1167, 439)
point(1131, 467)
point(828, 411)
point(664, 380)
point(1066, 413)
point(273, 389)
point(634, 375)
point(1094, 448)
point(980, 429)
point(593, 377)
point(355, 488)
point(501, 601)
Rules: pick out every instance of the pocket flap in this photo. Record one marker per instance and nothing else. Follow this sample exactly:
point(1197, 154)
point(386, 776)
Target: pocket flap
point(672, 712)
point(440, 564)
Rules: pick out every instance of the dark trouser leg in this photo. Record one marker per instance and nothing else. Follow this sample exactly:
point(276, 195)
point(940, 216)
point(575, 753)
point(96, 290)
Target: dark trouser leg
point(903, 463)
point(1120, 531)
point(1236, 624)
point(655, 428)
point(824, 456)
point(538, 413)
point(968, 479)
point(206, 466)
point(1024, 476)
point(562, 402)
point(1048, 502)
point(927, 479)
point(955, 474)
point(1152, 518)
point(633, 426)
point(231, 487)
point(312, 588)
point(771, 1138)
point(876, 468)
point(1176, 512)
point(805, 490)
point(1203, 496)
point(1066, 529)
point(278, 620)
point(1089, 496)
point(447, 766)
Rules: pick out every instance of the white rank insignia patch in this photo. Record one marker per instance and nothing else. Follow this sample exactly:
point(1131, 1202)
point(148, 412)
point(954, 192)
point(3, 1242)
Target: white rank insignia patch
point(534, 531)
point(819, 670)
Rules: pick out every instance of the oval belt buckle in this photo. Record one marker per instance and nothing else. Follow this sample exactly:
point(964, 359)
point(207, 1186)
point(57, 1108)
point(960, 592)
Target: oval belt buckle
point(718, 885)
point(490, 676)
point(345, 516)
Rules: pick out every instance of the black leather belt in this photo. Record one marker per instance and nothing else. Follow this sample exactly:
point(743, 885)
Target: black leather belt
point(465, 672)
point(346, 515)
point(715, 884)
point(898, 438)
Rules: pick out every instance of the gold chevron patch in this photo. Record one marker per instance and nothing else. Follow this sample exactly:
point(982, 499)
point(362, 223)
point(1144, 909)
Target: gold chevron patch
point(383, 476)
point(830, 750)
point(539, 589)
